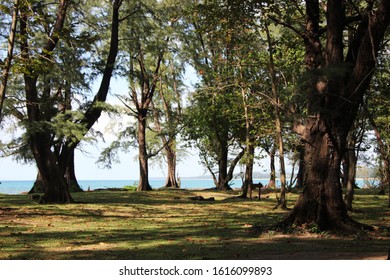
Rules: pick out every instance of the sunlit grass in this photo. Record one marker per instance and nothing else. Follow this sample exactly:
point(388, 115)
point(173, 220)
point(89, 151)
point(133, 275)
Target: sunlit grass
point(168, 225)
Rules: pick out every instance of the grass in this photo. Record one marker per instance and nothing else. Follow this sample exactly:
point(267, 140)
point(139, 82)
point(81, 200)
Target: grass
point(166, 224)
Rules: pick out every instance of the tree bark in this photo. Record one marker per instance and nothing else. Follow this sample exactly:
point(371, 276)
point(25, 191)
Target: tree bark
point(8, 60)
point(321, 201)
point(69, 175)
point(67, 164)
point(171, 181)
point(223, 182)
point(143, 184)
point(301, 166)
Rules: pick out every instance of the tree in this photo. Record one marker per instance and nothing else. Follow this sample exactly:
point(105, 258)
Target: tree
point(49, 126)
point(335, 87)
point(168, 117)
point(278, 124)
point(151, 35)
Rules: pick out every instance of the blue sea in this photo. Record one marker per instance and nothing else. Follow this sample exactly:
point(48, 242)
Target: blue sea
point(18, 187)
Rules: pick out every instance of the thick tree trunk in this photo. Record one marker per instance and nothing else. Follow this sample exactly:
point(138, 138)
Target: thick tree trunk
point(143, 184)
point(69, 175)
point(223, 181)
point(171, 181)
point(55, 187)
point(67, 165)
point(38, 186)
point(321, 201)
point(225, 172)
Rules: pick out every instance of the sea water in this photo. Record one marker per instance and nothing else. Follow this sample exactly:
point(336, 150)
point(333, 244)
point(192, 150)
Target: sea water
point(18, 187)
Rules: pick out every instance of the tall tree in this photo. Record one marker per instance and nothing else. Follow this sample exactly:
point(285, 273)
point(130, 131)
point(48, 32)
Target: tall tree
point(146, 54)
point(278, 124)
point(339, 77)
point(39, 140)
point(167, 111)
point(48, 125)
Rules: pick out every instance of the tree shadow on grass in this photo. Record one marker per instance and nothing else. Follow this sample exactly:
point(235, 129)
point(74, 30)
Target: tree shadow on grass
point(160, 226)
point(190, 243)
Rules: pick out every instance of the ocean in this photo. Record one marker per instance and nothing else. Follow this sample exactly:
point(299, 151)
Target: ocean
point(18, 187)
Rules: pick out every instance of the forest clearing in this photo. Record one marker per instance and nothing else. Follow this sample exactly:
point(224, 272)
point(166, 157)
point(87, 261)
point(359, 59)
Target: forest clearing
point(171, 224)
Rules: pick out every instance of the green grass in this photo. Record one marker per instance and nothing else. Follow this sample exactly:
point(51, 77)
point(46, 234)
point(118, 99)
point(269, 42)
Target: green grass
point(168, 225)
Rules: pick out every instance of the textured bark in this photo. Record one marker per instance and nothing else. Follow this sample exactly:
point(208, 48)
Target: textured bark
point(223, 181)
point(67, 165)
point(171, 181)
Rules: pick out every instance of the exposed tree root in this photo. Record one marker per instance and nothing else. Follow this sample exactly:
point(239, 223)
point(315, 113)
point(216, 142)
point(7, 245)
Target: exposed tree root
point(344, 227)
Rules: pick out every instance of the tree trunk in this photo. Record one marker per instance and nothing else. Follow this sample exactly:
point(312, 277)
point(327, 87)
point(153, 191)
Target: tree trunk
point(67, 165)
point(55, 188)
point(321, 201)
point(299, 183)
point(7, 63)
point(248, 180)
point(282, 202)
point(38, 186)
point(350, 172)
point(169, 143)
point(272, 176)
point(69, 175)
point(143, 184)
point(223, 182)
point(171, 181)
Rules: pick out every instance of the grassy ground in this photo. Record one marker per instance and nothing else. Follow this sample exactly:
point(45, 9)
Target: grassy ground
point(169, 225)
